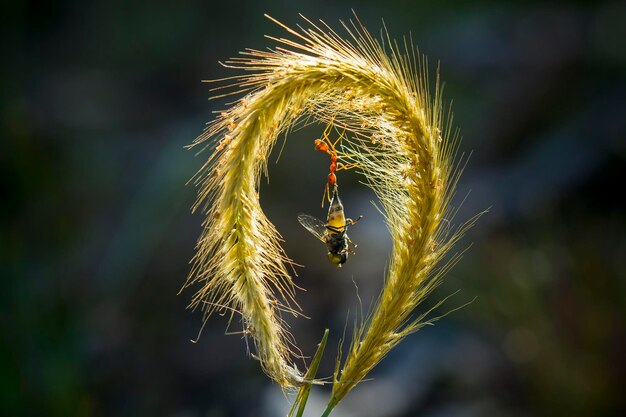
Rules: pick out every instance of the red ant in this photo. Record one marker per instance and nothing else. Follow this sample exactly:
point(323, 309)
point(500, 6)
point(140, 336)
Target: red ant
point(324, 145)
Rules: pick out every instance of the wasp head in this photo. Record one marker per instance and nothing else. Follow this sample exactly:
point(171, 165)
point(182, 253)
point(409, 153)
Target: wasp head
point(338, 258)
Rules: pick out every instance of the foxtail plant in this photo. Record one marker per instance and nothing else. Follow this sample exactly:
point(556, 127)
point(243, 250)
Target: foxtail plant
point(380, 94)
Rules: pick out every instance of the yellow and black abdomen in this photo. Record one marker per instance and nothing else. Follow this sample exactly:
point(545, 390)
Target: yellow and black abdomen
point(336, 239)
point(336, 218)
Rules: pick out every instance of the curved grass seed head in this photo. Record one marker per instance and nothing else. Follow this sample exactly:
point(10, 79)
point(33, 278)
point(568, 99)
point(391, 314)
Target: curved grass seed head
point(400, 144)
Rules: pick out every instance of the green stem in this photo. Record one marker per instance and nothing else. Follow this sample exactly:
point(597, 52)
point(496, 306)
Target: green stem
point(329, 408)
point(303, 393)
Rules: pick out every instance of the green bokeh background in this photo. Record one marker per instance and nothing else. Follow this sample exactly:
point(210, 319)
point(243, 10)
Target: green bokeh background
point(98, 100)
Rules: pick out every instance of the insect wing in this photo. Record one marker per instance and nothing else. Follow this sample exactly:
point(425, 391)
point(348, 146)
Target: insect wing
point(313, 225)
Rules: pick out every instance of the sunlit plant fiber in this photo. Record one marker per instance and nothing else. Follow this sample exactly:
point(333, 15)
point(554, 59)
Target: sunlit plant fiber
point(378, 91)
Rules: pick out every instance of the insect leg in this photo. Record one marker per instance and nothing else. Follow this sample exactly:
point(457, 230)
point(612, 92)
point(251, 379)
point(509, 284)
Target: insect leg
point(351, 222)
point(326, 194)
point(351, 243)
point(344, 167)
point(332, 145)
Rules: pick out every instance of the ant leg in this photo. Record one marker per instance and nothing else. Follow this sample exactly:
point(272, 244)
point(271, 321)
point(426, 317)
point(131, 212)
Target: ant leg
point(345, 167)
point(326, 138)
point(326, 194)
point(328, 128)
point(337, 141)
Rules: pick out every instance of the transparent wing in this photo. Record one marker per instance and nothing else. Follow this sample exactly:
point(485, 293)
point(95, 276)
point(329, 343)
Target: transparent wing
point(313, 225)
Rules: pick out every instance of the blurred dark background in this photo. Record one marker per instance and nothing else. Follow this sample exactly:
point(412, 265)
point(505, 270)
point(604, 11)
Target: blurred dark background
point(98, 100)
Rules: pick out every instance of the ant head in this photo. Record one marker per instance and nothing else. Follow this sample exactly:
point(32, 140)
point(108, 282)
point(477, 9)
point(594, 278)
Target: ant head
point(320, 145)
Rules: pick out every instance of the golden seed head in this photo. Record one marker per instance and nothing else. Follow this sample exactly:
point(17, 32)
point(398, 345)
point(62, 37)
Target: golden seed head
point(385, 102)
